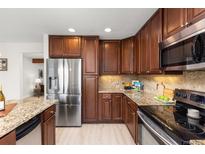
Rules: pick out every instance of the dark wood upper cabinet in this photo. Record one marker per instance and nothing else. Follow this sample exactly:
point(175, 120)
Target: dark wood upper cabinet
point(117, 107)
point(195, 14)
point(110, 57)
point(137, 53)
point(64, 46)
point(56, 47)
point(90, 55)
point(144, 52)
point(72, 46)
point(155, 39)
point(90, 96)
point(174, 20)
point(127, 56)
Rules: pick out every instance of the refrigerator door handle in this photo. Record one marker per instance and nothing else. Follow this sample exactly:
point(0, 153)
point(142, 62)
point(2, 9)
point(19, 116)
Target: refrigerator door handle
point(50, 83)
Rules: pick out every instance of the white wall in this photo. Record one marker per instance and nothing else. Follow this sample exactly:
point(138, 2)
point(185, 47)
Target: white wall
point(30, 73)
point(12, 79)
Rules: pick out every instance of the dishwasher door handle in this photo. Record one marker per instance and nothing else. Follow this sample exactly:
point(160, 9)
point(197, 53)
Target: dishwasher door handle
point(165, 139)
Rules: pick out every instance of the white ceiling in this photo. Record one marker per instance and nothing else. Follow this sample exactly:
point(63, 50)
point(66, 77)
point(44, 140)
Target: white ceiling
point(29, 25)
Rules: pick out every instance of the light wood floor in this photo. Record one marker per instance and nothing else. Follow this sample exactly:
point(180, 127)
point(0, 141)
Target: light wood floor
point(97, 134)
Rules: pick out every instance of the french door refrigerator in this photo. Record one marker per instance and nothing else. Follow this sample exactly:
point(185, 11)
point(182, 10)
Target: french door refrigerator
point(64, 77)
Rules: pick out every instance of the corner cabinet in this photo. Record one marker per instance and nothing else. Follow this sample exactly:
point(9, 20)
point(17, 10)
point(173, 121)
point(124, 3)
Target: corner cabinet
point(90, 55)
point(64, 46)
point(90, 97)
point(48, 126)
point(127, 56)
point(110, 57)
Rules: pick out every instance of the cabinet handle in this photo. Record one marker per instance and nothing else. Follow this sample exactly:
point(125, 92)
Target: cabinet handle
point(51, 112)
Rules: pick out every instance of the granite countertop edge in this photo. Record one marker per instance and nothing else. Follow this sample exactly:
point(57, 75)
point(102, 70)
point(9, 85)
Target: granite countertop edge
point(25, 110)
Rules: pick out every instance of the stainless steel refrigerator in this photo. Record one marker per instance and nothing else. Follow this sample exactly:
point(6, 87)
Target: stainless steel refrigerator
point(64, 77)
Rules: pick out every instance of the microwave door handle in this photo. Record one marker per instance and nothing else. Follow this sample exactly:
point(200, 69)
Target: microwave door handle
point(164, 139)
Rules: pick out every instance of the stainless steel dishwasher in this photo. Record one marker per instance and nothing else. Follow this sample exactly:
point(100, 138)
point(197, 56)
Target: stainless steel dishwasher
point(30, 133)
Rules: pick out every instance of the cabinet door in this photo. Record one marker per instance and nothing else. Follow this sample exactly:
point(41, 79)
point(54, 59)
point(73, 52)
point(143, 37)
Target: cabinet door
point(110, 57)
point(9, 139)
point(55, 46)
point(145, 48)
point(195, 14)
point(90, 55)
point(106, 109)
point(137, 54)
point(131, 122)
point(174, 21)
point(117, 107)
point(127, 58)
point(49, 131)
point(155, 39)
point(72, 47)
point(90, 90)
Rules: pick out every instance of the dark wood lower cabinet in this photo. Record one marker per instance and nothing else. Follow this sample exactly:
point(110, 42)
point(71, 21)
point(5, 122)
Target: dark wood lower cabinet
point(131, 119)
point(110, 108)
point(9, 139)
point(90, 97)
point(48, 126)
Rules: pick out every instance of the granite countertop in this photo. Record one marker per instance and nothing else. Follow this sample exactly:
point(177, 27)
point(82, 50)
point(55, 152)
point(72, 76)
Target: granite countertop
point(22, 112)
point(140, 98)
point(197, 142)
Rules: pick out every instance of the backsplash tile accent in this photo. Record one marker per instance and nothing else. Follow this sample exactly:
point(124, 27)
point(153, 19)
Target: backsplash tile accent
point(189, 80)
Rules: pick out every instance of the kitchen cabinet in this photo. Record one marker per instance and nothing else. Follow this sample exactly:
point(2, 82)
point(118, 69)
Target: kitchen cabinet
point(110, 57)
point(155, 39)
point(90, 51)
point(174, 21)
point(64, 46)
point(90, 96)
point(110, 107)
point(127, 56)
point(8, 139)
point(145, 48)
point(131, 118)
point(137, 53)
point(48, 126)
point(117, 107)
point(105, 106)
point(150, 37)
point(195, 14)
point(72, 46)
point(56, 47)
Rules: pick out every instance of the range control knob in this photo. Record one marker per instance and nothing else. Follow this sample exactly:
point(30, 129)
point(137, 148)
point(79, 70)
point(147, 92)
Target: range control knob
point(184, 95)
point(178, 94)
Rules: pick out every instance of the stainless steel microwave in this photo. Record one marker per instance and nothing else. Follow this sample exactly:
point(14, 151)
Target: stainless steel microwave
point(185, 50)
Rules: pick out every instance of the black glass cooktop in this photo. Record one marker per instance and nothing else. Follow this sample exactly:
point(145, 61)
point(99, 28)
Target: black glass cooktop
point(176, 123)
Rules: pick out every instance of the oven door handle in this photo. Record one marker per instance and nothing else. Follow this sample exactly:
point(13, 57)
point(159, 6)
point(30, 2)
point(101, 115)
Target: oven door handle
point(167, 140)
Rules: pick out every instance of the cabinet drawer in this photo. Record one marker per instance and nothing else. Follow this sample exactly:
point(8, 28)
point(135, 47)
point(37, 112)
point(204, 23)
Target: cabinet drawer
point(49, 112)
point(106, 96)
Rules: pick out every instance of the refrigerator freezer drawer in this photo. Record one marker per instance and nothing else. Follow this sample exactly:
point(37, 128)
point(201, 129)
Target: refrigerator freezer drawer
point(68, 115)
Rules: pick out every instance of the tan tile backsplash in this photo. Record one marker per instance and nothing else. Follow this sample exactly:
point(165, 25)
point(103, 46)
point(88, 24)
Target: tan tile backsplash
point(189, 80)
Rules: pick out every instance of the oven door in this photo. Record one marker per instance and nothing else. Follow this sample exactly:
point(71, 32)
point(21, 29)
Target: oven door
point(149, 133)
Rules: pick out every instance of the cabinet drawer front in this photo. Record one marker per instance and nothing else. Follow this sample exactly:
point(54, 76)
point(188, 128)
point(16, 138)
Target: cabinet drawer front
point(106, 96)
point(49, 112)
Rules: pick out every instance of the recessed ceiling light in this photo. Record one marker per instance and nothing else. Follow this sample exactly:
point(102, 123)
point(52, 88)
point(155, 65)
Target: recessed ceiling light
point(72, 30)
point(108, 30)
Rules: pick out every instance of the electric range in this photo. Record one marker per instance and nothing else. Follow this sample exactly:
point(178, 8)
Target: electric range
point(173, 122)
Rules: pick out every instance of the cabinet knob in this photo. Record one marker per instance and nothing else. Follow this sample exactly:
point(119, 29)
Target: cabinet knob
point(147, 71)
point(182, 25)
point(186, 23)
point(51, 112)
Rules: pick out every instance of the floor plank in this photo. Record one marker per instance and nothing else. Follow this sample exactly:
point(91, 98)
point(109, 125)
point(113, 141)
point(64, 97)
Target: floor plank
point(94, 134)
